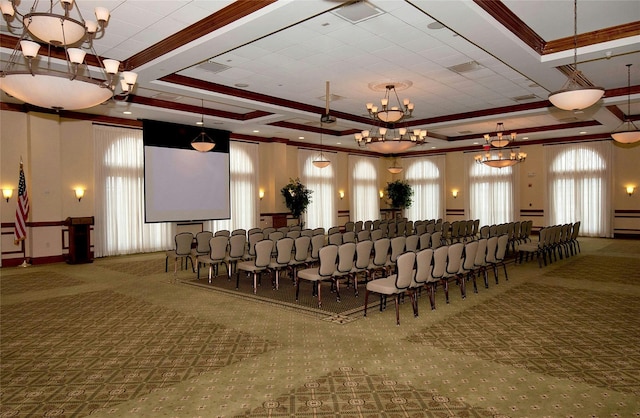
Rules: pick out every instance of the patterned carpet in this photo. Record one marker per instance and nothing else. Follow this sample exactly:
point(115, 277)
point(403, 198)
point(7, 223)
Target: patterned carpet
point(120, 337)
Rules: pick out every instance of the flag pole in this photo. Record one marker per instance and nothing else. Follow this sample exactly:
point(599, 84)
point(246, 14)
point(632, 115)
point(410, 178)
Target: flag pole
point(22, 213)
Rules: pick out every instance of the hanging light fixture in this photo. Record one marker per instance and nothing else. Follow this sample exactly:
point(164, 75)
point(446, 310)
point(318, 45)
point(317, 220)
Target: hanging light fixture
point(499, 160)
point(500, 140)
point(395, 168)
point(390, 113)
point(573, 96)
point(202, 142)
point(390, 141)
point(321, 162)
point(59, 86)
point(627, 132)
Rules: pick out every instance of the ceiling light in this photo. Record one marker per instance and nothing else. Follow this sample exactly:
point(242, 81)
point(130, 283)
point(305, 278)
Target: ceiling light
point(69, 86)
point(390, 141)
point(573, 96)
point(203, 142)
point(395, 168)
point(627, 132)
point(387, 112)
point(321, 162)
point(499, 160)
point(500, 140)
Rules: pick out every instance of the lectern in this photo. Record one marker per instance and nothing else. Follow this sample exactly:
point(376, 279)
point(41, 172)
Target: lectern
point(79, 240)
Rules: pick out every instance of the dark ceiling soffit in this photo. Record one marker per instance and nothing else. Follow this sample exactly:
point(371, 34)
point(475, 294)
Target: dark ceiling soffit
point(165, 104)
point(524, 131)
point(233, 12)
point(620, 114)
point(591, 38)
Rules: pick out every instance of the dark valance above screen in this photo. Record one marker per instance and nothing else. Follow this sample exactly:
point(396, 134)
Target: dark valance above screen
point(173, 135)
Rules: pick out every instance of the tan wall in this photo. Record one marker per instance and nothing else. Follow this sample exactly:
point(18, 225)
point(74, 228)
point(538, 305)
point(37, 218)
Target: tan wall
point(58, 156)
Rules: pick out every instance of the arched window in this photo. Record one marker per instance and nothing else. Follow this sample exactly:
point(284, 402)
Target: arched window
point(365, 202)
point(119, 178)
point(492, 193)
point(426, 176)
point(321, 212)
point(578, 183)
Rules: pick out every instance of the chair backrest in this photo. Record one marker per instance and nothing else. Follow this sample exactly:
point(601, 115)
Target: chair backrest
point(409, 228)
point(239, 231)
point(425, 241)
point(381, 251)
point(276, 235)
point(492, 246)
point(576, 231)
point(469, 259)
point(364, 235)
point(183, 243)
point(376, 234)
point(349, 226)
point(476, 226)
point(412, 243)
point(284, 248)
point(307, 232)
point(420, 228)
point(333, 230)
point(424, 265)
point(358, 226)
point(293, 234)
point(237, 245)
point(222, 233)
point(401, 228)
point(493, 230)
point(268, 230)
point(436, 240)
point(406, 264)
point(363, 253)
point(439, 263)
point(375, 224)
point(346, 257)
point(397, 247)
point(446, 230)
point(431, 227)
point(202, 242)
point(317, 242)
point(481, 253)
point(484, 231)
point(368, 225)
point(454, 258)
point(302, 246)
point(283, 229)
point(253, 238)
point(335, 238)
point(263, 253)
point(295, 228)
point(349, 237)
point(218, 246)
point(503, 241)
point(392, 229)
point(328, 260)
point(254, 231)
point(318, 231)
point(455, 230)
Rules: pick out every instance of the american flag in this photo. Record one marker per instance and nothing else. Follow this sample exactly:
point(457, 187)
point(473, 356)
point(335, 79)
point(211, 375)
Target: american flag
point(22, 211)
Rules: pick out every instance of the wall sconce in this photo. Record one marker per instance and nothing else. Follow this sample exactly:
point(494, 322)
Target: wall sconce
point(630, 190)
point(261, 194)
point(381, 194)
point(341, 193)
point(454, 193)
point(79, 193)
point(7, 193)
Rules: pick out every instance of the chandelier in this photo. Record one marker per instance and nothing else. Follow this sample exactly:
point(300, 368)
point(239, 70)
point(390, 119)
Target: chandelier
point(395, 168)
point(500, 140)
point(499, 160)
point(390, 141)
point(203, 141)
point(57, 85)
point(322, 161)
point(388, 113)
point(627, 132)
point(573, 96)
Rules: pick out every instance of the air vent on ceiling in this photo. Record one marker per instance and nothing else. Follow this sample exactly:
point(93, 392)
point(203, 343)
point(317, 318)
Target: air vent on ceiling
point(213, 67)
point(358, 12)
point(524, 98)
point(465, 67)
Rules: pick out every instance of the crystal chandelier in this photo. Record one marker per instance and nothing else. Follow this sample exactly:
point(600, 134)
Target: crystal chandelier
point(500, 140)
point(390, 141)
point(499, 160)
point(390, 113)
point(627, 132)
point(64, 81)
point(573, 96)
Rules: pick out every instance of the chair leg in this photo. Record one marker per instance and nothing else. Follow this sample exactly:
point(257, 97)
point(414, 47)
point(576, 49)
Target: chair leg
point(414, 303)
point(432, 296)
point(445, 284)
point(397, 309)
point(366, 301)
point(463, 286)
point(337, 281)
point(319, 296)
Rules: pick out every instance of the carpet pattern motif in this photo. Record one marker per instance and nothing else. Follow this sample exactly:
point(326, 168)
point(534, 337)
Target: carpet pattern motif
point(140, 268)
point(355, 393)
point(33, 281)
point(532, 326)
point(58, 359)
point(600, 268)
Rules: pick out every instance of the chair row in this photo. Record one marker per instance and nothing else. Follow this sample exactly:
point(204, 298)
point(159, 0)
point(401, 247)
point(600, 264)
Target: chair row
point(553, 242)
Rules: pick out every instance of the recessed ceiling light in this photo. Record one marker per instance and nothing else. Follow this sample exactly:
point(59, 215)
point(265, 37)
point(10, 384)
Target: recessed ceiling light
point(301, 137)
point(255, 131)
point(199, 122)
point(526, 137)
point(583, 132)
point(241, 85)
point(127, 112)
point(433, 147)
point(338, 143)
point(475, 143)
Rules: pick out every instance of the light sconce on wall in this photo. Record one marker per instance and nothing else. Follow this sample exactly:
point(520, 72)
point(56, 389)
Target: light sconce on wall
point(454, 193)
point(7, 193)
point(630, 190)
point(261, 194)
point(341, 193)
point(381, 194)
point(79, 193)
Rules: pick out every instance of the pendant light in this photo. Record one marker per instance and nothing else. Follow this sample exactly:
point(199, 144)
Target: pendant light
point(573, 96)
point(627, 132)
point(395, 168)
point(323, 162)
point(203, 142)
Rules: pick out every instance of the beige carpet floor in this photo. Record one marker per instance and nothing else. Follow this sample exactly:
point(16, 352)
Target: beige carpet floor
point(120, 337)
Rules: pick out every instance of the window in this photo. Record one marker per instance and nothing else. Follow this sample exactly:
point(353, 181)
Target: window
point(119, 176)
point(321, 212)
point(365, 202)
point(492, 193)
point(426, 176)
point(579, 186)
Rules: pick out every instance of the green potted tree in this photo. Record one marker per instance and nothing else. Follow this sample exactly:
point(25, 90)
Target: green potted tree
point(399, 193)
point(297, 197)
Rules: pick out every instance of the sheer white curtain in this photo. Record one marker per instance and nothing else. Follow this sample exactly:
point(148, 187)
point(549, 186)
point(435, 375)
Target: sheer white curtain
point(365, 201)
point(579, 186)
point(426, 177)
point(243, 188)
point(321, 212)
point(493, 192)
point(119, 181)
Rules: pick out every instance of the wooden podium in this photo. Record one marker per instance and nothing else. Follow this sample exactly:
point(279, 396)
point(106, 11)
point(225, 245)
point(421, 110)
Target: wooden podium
point(79, 239)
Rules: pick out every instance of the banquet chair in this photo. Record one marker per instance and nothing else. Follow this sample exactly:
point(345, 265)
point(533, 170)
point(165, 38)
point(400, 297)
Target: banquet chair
point(452, 269)
point(420, 228)
point(251, 247)
point(335, 238)
point(307, 232)
point(346, 257)
point(398, 245)
point(424, 265)
point(412, 243)
point(215, 257)
point(182, 251)
point(376, 224)
point(239, 231)
point(202, 244)
point(317, 242)
point(364, 235)
point(425, 241)
point(573, 240)
point(283, 229)
point(295, 228)
point(254, 231)
point(358, 226)
point(349, 236)
point(380, 257)
point(430, 227)
point(455, 231)
point(437, 272)
point(301, 251)
point(361, 263)
point(275, 236)
point(468, 266)
point(258, 265)
point(237, 249)
point(376, 234)
point(480, 262)
point(436, 240)
point(492, 247)
point(222, 233)
point(333, 230)
point(367, 226)
point(284, 252)
point(266, 231)
point(349, 226)
point(328, 262)
point(318, 231)
point(395, 284)
point(293, 234)
point(499, 257)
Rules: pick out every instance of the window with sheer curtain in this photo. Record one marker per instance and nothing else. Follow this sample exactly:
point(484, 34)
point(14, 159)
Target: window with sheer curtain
point(321, 212)
point(243, 192)
point(493, 195)
point(119, 178)
point(579, 186)
point(426, 177)
point(365, 201)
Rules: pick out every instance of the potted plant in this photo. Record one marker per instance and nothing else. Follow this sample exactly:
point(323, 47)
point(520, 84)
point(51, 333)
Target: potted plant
point(399, 192)
point(297, 197)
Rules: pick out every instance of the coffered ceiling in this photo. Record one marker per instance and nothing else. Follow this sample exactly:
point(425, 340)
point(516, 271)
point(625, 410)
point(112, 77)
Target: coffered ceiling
point(261, 67)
